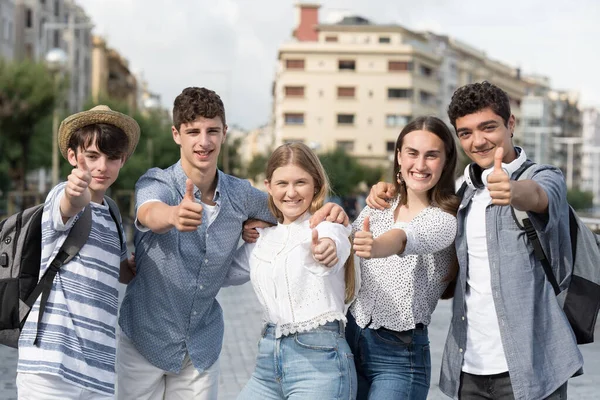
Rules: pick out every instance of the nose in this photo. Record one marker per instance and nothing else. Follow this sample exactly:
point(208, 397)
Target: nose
point(204, 139)
point(420, 163)
point(478, 139)
point(291, 191)
point(101, 165)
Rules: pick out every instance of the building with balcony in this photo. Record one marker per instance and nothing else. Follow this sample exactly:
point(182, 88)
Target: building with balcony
point(7, 29)
point(352, 84)
point(590, 163)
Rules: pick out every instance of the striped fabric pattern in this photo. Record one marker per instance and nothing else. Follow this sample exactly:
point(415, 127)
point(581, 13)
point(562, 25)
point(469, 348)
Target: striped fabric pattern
point(77, 335)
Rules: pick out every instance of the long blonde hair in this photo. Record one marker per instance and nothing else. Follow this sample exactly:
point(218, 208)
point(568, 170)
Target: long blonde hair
point(299, 154)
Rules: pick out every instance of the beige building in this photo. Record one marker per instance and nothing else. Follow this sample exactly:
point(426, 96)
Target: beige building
point(352, 84)
point(43, 25)
point(111, 76)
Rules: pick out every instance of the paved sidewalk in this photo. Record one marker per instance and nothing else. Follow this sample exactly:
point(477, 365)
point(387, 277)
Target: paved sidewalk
point(242, 330)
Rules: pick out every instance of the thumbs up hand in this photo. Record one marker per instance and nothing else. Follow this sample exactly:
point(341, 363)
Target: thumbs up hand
point(324, 250)
point(187, 216)
point(363, 241)
point(498, 181)
point(78, 182)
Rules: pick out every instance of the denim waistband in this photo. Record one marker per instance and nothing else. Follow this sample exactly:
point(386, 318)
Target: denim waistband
point(334, 326)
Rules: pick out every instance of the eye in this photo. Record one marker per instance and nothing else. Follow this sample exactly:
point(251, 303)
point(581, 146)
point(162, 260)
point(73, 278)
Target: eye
point(463, 134)
point(489, 128)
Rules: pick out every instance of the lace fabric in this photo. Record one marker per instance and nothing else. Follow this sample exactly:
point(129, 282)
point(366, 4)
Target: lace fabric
point(305, 326)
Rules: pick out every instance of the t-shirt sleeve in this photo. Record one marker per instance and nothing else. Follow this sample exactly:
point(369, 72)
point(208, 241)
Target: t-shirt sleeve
point(553, 183)
point(430, 233)
point(52, 215)
point(256, 204)
point(152, 186)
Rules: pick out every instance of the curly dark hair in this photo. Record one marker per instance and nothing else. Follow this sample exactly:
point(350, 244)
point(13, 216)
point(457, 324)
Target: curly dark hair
point(475, 97)
point(194, 102)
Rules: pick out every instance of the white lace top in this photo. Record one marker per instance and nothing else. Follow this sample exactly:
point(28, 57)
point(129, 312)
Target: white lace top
point(296, 292)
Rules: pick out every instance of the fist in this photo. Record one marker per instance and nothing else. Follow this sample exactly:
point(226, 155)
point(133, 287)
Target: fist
point(498, 181)
point(187, 216)
point(79, 181)
point(363, 241)
point(323, 250)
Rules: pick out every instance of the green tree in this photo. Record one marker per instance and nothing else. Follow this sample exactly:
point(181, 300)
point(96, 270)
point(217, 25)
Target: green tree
point(256, 167)
point(580, 200)
point(28, 95)
point(346, 173)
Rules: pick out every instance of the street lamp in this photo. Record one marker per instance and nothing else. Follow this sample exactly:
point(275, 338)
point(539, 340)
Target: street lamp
point(56, 60)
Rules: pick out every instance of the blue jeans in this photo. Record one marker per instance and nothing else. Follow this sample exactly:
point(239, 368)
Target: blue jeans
point(390, 364)
point(316, 364)
point(495, 387)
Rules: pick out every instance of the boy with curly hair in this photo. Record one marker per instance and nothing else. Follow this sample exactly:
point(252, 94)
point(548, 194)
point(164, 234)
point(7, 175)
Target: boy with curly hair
point(189, 221)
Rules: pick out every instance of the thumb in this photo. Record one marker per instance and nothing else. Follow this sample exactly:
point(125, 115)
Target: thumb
point(189, 190)
point(366, 224)
point(498, 159)
point(315, 237)
point(81, 165)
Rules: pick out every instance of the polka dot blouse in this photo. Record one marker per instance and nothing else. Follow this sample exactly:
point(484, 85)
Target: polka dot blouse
point(399, 292)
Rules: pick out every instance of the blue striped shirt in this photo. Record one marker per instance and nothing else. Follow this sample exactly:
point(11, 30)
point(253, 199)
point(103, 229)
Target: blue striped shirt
point(77, 334)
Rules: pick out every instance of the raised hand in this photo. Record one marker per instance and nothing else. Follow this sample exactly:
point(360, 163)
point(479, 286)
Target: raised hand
point(187, 216)
point(78, 182)
point(498, 181)
point(324, 250)
point(363, 240)
point(380, 194)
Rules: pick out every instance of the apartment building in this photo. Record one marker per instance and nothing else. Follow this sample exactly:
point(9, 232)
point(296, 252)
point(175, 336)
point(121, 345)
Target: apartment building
point(111, 76)
point(463, 64)
point(41, 25)
point(7, 29)
point(355, 84)
point(590, 163)
point(352, 84)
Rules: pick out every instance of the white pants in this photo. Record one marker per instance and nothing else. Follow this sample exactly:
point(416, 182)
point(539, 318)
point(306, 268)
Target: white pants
point(138, 379)
point(52, 387)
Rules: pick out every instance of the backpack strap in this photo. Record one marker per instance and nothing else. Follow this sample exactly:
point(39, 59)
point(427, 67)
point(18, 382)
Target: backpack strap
point(78, 236)
point(116, 216)
point(522, 220)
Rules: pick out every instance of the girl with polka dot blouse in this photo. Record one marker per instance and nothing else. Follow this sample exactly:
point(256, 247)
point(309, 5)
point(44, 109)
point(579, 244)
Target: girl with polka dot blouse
point(407, 259)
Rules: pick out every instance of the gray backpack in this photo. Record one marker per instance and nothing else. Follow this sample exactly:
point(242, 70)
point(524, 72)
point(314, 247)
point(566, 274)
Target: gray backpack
point(582, 299)
point(20, 260)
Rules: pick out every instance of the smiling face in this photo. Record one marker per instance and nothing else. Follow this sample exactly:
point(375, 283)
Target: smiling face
point(482, 132)
point(200, 142)
point(104, 169)
point(292, 190)
point(422, 159)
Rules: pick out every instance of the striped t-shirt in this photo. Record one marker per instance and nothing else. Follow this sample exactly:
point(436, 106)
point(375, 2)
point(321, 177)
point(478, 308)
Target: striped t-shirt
point(76, 339)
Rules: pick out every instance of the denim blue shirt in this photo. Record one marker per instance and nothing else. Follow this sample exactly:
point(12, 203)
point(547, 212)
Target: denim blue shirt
point(170, 307)
point(539, 345)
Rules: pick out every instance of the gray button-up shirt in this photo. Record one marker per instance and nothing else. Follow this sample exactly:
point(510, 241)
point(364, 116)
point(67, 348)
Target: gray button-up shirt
point(170, 307)
point(539, 345)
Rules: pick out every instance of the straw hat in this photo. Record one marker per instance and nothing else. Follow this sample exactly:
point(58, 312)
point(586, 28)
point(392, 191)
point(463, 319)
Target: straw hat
point(98, 115)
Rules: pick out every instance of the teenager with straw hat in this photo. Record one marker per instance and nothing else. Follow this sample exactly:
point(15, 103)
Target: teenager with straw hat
point(70, 353)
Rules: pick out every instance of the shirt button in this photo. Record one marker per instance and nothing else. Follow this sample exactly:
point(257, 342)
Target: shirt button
point(460, 350)
point(206, 260)
point(200, 287)
point(195, 313)
point(463, 318)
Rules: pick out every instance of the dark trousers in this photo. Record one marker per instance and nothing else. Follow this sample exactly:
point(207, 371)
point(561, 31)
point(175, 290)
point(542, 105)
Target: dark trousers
point(495, 387)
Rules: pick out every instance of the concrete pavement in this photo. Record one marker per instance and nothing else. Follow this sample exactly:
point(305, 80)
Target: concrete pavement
point(242, 330)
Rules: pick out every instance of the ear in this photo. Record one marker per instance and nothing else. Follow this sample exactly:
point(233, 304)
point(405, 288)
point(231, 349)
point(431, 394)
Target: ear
point(511, 123)
point(176, 136)
point(72, 157)
point(224, 134)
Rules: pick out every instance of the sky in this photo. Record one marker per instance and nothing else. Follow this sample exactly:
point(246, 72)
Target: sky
point(231, 46)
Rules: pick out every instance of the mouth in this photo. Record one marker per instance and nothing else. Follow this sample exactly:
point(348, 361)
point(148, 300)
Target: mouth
point(484, 152)
point(292, 202)
point(419, 176)
point(202, 154)
point(101, 179)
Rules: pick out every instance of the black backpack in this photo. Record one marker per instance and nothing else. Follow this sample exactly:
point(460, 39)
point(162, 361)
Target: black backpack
point(582, 299)
point(20, 259)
